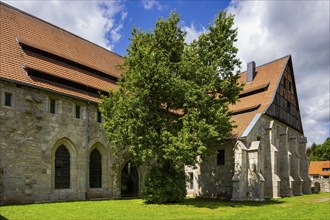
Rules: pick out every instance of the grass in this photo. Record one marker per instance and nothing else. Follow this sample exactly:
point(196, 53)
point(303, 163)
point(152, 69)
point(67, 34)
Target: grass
point(314, 206)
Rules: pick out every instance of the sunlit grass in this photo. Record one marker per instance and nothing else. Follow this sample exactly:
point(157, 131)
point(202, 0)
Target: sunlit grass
point(315, 206)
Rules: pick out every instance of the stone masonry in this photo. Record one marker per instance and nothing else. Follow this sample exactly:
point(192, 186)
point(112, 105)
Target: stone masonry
point(29, 137)
point(270, 162)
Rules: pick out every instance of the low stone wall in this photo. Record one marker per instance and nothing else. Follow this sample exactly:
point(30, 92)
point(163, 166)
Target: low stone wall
point(321, 185)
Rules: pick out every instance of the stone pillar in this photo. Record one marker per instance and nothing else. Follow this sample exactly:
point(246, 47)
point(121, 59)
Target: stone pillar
point(275, 178)
point(284, 163)
point(267, 165)
point(270, 154)
point(295, 166)
point(255, 188)
point(240, 172)
point(304, 166)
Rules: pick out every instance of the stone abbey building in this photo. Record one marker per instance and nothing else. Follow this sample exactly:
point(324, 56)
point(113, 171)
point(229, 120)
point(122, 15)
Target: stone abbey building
point(52, 147)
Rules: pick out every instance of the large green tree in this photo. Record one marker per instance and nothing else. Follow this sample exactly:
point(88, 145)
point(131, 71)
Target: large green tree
point(172, 101)
point(319, 152)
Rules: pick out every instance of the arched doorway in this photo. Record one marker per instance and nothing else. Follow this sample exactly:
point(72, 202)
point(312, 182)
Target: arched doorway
point(129, 180)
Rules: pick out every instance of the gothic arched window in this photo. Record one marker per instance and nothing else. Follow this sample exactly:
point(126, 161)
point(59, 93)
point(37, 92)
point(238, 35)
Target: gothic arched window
point(95, 169)
point(62, 168)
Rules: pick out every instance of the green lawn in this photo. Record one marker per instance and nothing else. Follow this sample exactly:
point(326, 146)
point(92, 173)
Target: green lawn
point(315, 206)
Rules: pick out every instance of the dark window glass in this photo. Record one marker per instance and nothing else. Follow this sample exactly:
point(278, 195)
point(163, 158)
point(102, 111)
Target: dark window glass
point(99, 117)
point(77, 111)
point(62, 168)
point(129, 180)
point(191, 180)
point(8, 99)
point(52, 106)
point(221, 157)
point(95, 169)
point(288, 107)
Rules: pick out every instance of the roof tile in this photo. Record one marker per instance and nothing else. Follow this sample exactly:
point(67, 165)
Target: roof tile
point(17, 26)
point(316, 167)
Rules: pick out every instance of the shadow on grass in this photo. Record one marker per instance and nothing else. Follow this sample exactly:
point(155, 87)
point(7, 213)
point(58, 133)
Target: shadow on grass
point(216, 203)
point(3, 218)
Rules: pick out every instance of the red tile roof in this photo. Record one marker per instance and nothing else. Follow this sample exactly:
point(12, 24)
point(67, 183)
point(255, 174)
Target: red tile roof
point(20, 30)
point(41, 55)
point(267, 78)
point(316, 167)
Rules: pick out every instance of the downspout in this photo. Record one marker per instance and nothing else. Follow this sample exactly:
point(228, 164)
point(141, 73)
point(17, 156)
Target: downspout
point(86, 151)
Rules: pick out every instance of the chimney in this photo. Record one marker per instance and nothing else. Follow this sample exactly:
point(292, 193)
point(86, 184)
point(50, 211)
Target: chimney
point(251, 71)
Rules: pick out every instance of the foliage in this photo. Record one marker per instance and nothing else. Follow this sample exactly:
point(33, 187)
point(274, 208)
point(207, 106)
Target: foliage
point(319, 152)
point(164, 187)
point(172, 101)
point(313, 206)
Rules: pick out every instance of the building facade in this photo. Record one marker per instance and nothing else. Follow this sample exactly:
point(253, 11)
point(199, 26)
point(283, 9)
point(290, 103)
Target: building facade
point(52, 147)
point(266, 157)
point(319, 172)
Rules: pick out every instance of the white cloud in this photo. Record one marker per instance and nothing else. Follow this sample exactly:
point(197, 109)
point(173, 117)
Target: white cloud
point(272, 29)
point(150, 4)
point(192, 32)
point(96, 21)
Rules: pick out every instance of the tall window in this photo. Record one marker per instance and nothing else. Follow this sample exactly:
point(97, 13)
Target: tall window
point(95, 169)
point(99, 117)
point(8, 99)
point(62, 168)
point(77, 111)
point(221, 157)
point(52, 106)
point(191, 180)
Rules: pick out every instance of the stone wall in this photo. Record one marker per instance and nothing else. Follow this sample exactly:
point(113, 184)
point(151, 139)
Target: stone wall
point(284, 158)
point(211, 179)
point(275, 160)
point(29, 137)
point(320, 185)
point(269, 162)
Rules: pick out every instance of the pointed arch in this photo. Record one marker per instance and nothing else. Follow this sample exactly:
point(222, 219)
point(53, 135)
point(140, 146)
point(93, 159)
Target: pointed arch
point(95, 169)
point(129, 180)
point(64, 156)
point(62, 168)
point(98, 175)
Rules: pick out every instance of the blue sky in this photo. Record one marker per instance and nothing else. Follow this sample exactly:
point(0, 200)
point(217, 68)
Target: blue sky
point(267, 30)
point(198, 13)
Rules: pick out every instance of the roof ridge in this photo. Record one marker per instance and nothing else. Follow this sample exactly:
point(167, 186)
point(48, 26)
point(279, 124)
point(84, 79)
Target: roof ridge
point(273, 61)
